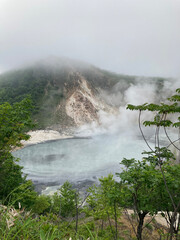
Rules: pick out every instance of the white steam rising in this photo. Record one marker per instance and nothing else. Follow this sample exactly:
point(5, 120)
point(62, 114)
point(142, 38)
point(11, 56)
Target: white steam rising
point(125, 122)
point(140, 93)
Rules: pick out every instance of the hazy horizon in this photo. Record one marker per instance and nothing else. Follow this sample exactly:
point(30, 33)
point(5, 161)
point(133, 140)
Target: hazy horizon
point(131, 37)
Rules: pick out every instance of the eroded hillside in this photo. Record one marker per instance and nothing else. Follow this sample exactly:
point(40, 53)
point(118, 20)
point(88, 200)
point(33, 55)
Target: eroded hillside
point(65, 93)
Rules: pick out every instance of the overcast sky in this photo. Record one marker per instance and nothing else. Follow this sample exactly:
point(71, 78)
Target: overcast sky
point(137, 37)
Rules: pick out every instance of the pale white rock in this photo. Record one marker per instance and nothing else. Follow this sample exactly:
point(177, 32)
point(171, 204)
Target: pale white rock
point(83, 105)
point(43, 135)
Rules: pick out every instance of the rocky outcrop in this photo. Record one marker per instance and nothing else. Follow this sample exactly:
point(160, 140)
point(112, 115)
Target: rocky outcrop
point(83, 103)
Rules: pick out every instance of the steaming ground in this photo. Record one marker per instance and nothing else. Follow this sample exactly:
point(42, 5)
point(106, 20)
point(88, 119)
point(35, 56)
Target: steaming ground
point(115, 137)
point(144, 90)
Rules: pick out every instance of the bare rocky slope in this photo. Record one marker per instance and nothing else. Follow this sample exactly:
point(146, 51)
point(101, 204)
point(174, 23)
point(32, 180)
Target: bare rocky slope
point(65, 93)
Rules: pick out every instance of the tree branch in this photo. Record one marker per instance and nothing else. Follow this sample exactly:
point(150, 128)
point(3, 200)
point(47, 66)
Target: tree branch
point(172, 143)
point(142, 132)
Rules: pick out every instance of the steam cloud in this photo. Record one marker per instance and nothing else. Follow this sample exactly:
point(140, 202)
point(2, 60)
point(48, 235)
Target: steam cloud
point(125, 122)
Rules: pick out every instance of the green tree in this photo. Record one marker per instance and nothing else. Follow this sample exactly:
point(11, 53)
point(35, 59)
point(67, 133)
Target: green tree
point(144, 190)
point(172, 176)
point(14, 121)
point(64, 201)
point(24, 195)
point(138, 190)
point(163, 119)
point(42, 204)
point(103, 202)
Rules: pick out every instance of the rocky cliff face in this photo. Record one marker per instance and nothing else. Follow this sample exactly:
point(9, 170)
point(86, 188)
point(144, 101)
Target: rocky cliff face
point(83, 101)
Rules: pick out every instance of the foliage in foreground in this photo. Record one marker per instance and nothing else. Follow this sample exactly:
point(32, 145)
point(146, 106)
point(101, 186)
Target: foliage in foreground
point(14, 121)
point(102, 219)
point(165, 116)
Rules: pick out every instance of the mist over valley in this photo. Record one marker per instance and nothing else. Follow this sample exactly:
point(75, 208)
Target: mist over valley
point(88, 104)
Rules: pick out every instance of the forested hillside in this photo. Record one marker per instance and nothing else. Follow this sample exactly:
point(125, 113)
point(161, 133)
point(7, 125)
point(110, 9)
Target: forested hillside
point(51, 82)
